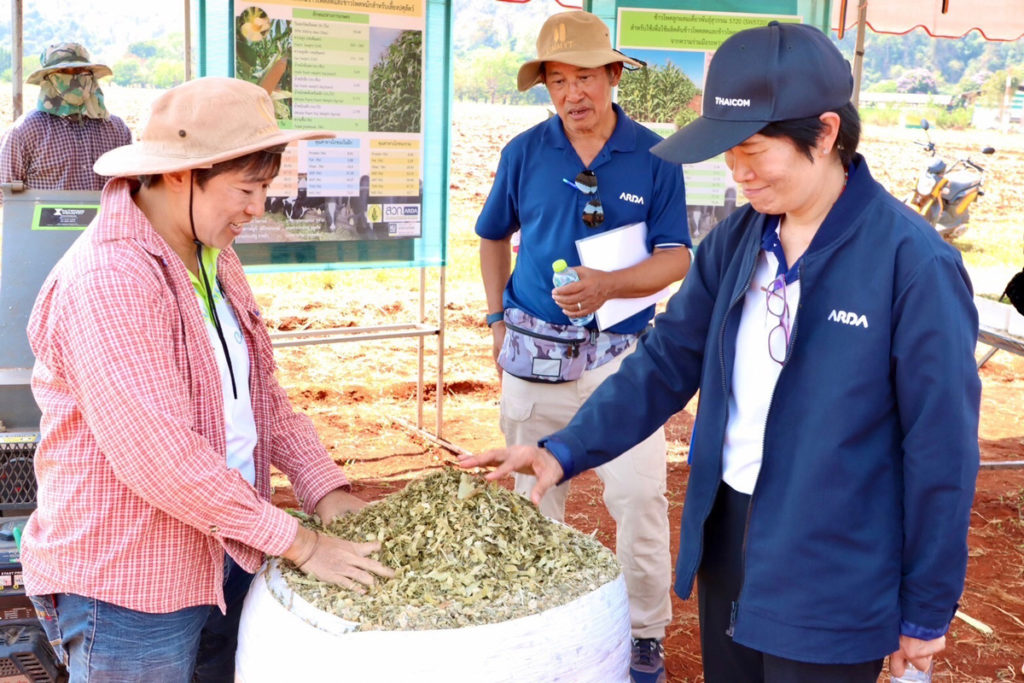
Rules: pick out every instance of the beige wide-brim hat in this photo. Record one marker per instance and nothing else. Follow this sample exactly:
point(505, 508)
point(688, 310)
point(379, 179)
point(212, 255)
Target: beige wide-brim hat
point(201, 123)
point(63, 57)
point(577, 38)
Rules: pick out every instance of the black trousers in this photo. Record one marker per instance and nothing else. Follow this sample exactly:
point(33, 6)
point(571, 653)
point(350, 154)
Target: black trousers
point(215, 660)
point(718, 586)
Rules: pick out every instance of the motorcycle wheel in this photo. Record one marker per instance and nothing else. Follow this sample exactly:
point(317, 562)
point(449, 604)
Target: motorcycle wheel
point(933, 214)
point(957, 231)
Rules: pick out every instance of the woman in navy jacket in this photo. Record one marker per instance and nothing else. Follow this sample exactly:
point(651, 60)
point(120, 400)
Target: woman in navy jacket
point(831, 334)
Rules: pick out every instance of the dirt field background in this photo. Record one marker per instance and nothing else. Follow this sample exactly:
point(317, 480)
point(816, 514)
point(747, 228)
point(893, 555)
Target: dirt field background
point(362, 396)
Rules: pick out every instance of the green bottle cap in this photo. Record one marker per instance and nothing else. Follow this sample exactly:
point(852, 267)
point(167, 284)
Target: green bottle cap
point(559, 265)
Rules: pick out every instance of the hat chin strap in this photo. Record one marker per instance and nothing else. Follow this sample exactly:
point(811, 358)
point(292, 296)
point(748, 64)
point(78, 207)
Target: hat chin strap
point(209, 290)
point(191, 219)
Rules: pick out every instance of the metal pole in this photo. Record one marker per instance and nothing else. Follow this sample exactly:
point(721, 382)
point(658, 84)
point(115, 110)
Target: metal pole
point(1004, 107)
point(188, 40)
point(419, 350)
point(858, 55)
point(440, 357)
point(17, 47)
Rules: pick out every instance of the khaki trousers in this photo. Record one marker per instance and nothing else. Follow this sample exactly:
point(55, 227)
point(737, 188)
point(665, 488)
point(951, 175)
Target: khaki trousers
point(634, 489)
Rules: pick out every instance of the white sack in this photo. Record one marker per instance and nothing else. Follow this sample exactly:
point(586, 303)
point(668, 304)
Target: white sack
point(586, 640)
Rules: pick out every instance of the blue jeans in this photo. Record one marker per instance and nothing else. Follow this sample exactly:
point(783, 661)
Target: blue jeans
point(100, 641)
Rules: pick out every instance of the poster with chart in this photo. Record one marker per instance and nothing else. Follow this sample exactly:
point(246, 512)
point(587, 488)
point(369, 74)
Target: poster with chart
point(354, 68)
point(677, 46)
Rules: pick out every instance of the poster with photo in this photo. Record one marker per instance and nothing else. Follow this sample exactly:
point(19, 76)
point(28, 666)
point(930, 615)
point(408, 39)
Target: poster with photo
point(677, 46)
point(355, 68)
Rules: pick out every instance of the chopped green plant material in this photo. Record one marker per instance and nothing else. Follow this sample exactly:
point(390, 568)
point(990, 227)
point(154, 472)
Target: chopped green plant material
point(465, 552)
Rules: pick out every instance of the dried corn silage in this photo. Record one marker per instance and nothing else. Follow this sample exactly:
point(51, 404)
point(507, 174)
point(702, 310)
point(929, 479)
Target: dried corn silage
point(465, 552)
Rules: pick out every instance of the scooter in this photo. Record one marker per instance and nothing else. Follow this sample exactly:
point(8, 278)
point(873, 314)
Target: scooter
point(944, 194)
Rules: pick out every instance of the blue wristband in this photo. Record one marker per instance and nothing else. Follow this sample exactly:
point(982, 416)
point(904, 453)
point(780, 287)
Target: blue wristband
point(495, 318)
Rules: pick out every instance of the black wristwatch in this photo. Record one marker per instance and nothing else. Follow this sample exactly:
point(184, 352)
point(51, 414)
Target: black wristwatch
point(494, 318)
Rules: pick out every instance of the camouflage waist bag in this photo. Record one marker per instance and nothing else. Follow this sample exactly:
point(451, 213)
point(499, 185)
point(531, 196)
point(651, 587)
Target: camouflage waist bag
point(540, 351)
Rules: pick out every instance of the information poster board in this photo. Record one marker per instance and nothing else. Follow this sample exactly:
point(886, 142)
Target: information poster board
point(331, 65)
point(677, 46)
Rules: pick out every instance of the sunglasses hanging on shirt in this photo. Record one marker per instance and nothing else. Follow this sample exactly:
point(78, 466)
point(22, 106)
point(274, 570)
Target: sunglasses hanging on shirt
point(593, 212)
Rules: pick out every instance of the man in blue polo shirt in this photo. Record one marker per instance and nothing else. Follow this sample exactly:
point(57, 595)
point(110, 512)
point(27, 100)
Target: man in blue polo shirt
point(584, 172)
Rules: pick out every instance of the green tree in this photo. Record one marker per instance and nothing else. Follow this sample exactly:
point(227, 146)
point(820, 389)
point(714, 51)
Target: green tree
point(167, 73)
point(685, 116)
point(128, 72)
point(994, 89)
point(490, 75)
point(952, 60)
point(146, 49)
point(888, 85)
point(494, 73)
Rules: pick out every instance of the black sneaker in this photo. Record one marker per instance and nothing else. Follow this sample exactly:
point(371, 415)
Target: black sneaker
point(647, 662)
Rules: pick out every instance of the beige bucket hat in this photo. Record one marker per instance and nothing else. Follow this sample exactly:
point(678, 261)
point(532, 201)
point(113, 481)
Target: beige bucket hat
point(577, 38)
point(62, 56)
point(201, 123)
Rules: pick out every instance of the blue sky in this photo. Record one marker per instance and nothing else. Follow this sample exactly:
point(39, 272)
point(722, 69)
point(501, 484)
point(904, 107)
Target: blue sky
point(380, 41)
point(691, 63)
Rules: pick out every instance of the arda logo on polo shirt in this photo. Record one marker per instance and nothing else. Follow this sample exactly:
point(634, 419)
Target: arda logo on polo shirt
point(848, 318)
point(632, 198)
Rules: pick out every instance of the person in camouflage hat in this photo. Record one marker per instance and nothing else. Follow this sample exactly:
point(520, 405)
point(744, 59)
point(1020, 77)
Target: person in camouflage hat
point(54, 146)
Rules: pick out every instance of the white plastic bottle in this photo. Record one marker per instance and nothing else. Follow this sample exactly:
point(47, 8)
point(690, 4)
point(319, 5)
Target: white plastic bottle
point(914, 675)
point(563, 275)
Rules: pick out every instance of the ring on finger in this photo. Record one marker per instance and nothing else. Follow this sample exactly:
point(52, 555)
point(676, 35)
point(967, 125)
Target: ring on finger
point(579, 305)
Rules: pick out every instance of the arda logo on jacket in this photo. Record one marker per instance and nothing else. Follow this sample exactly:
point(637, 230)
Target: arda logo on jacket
point(848, 318)
point(632, 198)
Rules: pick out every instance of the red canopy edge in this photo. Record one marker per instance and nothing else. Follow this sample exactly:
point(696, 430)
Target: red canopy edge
point(996, 20)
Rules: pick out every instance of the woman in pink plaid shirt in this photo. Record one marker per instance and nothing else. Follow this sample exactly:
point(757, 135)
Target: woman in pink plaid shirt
point(161, 411)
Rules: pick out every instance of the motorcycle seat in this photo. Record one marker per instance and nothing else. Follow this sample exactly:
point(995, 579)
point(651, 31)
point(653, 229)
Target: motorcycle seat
point(959, 184)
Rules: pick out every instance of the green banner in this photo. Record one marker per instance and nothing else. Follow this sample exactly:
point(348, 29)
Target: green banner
point(318, 15)
point(686, 30)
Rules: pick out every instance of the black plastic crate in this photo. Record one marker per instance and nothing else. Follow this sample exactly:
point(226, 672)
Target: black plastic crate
point(14, 605)
point(25, 654)
point(17, 475)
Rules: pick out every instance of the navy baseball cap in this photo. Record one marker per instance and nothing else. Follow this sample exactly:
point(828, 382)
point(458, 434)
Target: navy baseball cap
point(759, 76)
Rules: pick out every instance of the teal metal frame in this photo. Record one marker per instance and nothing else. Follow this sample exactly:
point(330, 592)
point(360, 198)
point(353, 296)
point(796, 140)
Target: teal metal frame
point(216, 58)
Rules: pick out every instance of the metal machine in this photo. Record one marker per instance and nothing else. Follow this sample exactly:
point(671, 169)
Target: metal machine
point(38, 227)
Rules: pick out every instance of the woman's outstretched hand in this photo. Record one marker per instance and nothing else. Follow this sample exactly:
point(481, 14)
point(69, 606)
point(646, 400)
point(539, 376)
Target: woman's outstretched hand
point(523, 459)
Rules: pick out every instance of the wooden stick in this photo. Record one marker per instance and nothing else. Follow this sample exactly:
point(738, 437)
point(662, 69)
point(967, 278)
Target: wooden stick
point(1019, 622)
point(984, 628)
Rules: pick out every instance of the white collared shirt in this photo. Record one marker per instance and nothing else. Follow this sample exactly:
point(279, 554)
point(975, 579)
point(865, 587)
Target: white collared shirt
point(754, 377)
